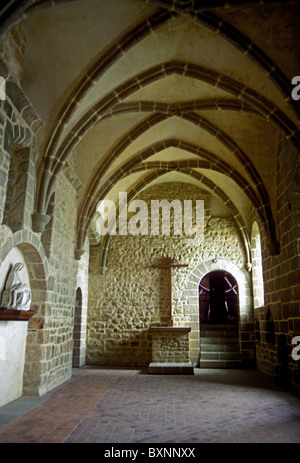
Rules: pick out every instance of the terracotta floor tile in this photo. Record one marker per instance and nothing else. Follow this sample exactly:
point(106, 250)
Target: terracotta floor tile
point(128, 406)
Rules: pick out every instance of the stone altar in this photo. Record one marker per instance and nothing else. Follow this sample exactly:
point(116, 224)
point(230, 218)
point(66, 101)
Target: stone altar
point(170, 351)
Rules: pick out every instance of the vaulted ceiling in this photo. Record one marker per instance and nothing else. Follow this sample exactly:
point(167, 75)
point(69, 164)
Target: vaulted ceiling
point(161, 91)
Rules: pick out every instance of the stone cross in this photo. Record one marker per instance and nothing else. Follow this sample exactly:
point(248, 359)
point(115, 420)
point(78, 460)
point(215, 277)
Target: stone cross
point(169, 265)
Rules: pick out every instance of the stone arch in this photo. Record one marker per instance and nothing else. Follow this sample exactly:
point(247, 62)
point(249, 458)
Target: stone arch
point(257, 268)
point(167, 9)
point(40, 282)
point(135, 165)
point(36, 262)
point(211, 20)
point(241, 278)
point(245, 305)
point(202, 180)
point(218, 298)
point(158, 72)
point(100, 109)
point(87, 208)
point(258, 194)
point(13, 334)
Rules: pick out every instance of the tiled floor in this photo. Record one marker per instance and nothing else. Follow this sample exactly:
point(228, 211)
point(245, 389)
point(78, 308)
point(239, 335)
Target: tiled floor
point(113, 405)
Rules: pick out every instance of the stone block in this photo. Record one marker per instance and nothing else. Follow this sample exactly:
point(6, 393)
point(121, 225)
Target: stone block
point(171, 368)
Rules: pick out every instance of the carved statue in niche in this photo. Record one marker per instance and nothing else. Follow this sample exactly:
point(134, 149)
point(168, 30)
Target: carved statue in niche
point(16, 295)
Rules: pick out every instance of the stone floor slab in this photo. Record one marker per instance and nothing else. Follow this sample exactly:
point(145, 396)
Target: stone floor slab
point(116, 405)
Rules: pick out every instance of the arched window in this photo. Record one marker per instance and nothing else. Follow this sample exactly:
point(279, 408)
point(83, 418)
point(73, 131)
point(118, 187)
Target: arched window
point(257, 269)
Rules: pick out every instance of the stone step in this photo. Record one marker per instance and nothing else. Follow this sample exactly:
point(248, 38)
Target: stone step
point(170, 368)
point(220, 364)
point(220, 356)
point(219, 333)
point(219, 326)
point(212, 347)
point(219, 340)
point(220, 347)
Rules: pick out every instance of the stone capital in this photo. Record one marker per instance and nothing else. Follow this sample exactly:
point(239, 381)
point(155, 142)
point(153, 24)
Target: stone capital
point(39, 222)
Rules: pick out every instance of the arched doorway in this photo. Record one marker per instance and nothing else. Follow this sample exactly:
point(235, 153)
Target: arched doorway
point(77, 329)
point(219, 321)
point(218, 298)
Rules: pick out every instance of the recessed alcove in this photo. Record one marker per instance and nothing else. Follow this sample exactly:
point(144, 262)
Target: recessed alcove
point(13, 335)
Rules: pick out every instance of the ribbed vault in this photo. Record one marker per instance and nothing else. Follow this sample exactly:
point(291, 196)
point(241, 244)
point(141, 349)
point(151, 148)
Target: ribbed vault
point(133, 90)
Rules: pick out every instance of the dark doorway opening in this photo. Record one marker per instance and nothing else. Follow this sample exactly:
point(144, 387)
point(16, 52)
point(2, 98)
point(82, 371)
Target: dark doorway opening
point(77, 329)
point(218, 298)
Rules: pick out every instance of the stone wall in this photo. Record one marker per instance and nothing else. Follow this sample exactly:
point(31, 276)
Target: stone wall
point(47, 346)
point(60, 307)
point(278, 321)
point(131, 296)
point(170, 347)
point(18, 126)
point(114, 311)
